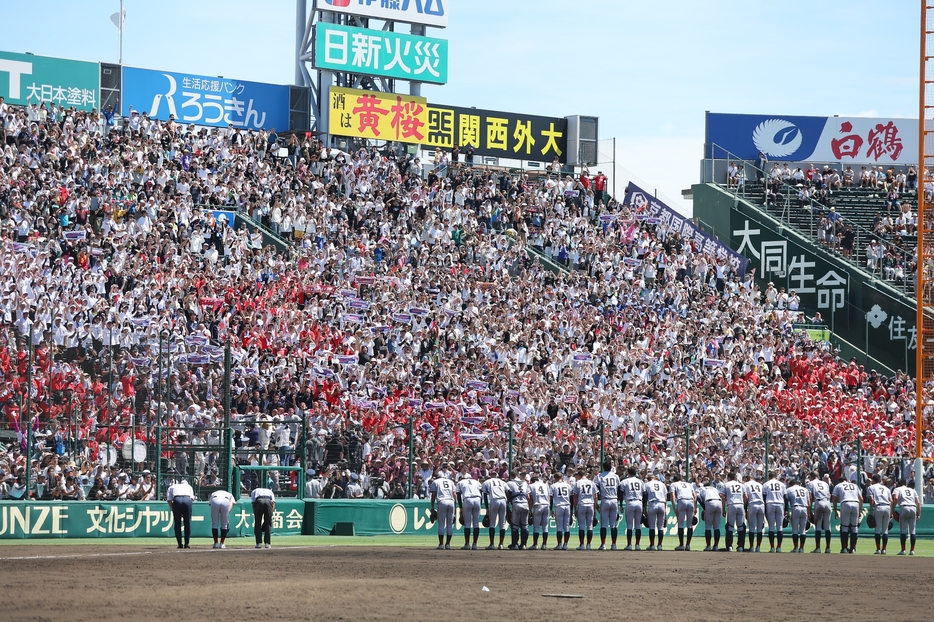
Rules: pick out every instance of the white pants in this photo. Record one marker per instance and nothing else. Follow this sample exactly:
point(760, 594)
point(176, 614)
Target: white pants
point(220, 513)
point(609, 513)
point(736, 517)
point(445, 518)
point(907, 519)
point(775, 515)
point(563, 517)
point(657, 516)
point(585, 517)
point(497, 513)
point(540, 516)
point(756, 517)
point(633, 515)
point(822, 516)
point(520, 516)
point(685, 513)
point(713, 514)
point(471, 513)
point(799, 521)
point(883, 514)
point(849, 514)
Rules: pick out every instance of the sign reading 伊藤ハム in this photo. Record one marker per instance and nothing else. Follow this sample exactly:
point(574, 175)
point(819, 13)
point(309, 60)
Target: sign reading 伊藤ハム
point(426, 12)
point(381, 53)
point(857, 140)
point(205, 100)
point(27, 79)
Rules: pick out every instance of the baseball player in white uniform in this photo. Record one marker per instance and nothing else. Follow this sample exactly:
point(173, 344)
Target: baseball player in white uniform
point(755, 512)
point(848, 496)
point(657, 509)
point(880, 504)
point(632, 488)
point(713, 513)
point(684, 500)
point(775, 511)
point(561, 507)
point(540, 495)
point(469, 496)
point(494, 498)
point(820, 510)
point(584, 496)
point(733, 498)
point(607, 484)
point(799, 502)
point(443, 492)
point(517, 493)
point(222, 503)
point(909, 511)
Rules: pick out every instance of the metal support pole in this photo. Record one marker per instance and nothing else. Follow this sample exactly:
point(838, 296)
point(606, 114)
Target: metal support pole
point(110, 380)
point(303, 438)
point(411, 492)
point(228, 430)
point(859, 462)
point(301, 14)
point(28, 416)
point(510, 448)
point(159, 461)
point(614, 167)
point(766, 452)
point(687, 454)
point(602, 441)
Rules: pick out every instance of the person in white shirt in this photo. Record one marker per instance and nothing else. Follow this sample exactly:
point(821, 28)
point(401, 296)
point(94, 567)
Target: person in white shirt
point(222, 502)
point(442, 493)
point(540, 497)
point(684, 500)
point(494, 499)
point(632, 488)
point(518, 495)
point(561, 507)
point(775, 510)
point(849, 497)
point(607, 487)
point(820, 510)
point(179, 497)
point(909, 511)
point(656, 509)
point(469, 495)
point(880, 510)
point(799, 501)
point(755, 512)
point(584, 495)
point(264, 504)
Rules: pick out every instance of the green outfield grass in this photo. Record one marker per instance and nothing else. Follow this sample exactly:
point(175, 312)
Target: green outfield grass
point(924, 548)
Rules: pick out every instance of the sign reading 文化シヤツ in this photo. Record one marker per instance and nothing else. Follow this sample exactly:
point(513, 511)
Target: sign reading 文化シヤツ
point(379, 116)
point(381, 53)
point(27, 79)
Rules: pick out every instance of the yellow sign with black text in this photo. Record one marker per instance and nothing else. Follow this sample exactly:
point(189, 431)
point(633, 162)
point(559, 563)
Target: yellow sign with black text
point(378, 116)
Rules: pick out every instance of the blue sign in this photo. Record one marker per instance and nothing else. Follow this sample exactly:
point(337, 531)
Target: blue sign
point(205, 100)
point(858, 140)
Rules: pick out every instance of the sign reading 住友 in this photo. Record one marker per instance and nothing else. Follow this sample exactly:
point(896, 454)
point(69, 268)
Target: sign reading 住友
point(857, 140)
point(426, 12)
point(381, 53)
point(499, 134)
point(205, 100)
point(379, 116)
point(27, 79)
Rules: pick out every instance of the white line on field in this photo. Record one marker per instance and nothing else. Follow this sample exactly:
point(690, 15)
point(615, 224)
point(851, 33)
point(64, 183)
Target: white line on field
point(75, 556)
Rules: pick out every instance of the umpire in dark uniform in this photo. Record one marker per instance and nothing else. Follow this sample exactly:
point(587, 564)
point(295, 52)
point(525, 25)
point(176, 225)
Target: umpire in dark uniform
point(264, 504)
point(179, 496)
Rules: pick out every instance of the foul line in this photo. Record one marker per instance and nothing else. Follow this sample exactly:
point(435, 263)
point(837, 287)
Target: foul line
point(75, 556)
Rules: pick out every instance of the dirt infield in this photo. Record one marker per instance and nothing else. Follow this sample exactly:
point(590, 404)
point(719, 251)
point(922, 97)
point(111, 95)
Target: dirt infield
point(366, 583)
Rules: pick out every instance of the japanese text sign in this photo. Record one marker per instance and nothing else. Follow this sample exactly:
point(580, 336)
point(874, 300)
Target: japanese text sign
point(426, 12)
point(858, 140)
point(381, 53)
point(376, 115)
point(499, 134)
point(27, 79)
point(205, 100)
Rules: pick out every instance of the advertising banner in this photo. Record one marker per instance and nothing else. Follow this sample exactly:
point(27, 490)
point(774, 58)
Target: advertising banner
point(26, 79)
point(205, 100)
point(426, 12)
point(642, 201)
point(849, 140)
point(381, 53)
point(375, 115)
point(499, 134)
point(128, 519)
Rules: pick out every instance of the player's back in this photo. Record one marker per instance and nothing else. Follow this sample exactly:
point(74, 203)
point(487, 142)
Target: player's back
point(774, 492)
point(632, 488)
point(846, 492)
point(735, 492)
point(469, 488)
point(607, 485)
point(754, 494)
point(586, 491)
point(443, 488)
point(540, 493)
point(798, 497)
point(561, 494)
point(907, 497)
point(658, 492)
point(820, 490)
point(495, 489)
point(519, 490)
point(683, 491)
point(880, 494)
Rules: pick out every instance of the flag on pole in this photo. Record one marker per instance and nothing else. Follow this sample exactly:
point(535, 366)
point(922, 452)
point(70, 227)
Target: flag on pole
point(115, 18)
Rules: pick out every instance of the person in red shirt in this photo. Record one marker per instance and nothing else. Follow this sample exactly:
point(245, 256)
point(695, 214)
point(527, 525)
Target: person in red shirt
point(599, 188)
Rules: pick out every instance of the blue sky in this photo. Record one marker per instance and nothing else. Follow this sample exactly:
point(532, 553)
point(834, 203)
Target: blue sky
point(649, 70)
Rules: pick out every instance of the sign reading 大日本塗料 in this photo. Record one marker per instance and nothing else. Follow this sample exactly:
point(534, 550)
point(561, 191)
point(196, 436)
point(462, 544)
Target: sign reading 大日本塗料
point(381, 53)
point(28, 79)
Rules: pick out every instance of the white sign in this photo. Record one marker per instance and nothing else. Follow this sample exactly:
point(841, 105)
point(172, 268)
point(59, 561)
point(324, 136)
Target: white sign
point(425, 12)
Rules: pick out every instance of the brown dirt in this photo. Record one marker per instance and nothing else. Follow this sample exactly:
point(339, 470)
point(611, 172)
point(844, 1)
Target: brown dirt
point(364, 583)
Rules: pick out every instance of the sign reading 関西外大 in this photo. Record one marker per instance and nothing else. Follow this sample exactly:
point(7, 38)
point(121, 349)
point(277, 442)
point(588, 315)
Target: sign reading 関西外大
point(205, 100)
point(425, 12)
point(381, 53)
point(858, 140)
point(27, 79)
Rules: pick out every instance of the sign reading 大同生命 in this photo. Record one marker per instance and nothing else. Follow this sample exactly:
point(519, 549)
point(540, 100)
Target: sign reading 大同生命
point(205, 100)
point(858, 140)
point(381, 53)
point(376, 115)
point(28, 79)
point(425, 12)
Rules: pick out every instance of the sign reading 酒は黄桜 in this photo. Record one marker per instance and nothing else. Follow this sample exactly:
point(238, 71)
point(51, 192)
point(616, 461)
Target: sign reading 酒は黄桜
point(425, 12)
point(381, 53)
point(856, 140)
point(205, 100)
point(28, 79)
point(379, 116)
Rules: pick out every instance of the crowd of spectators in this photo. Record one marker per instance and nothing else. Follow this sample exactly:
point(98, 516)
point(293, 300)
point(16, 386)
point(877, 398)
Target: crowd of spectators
point(397, 296)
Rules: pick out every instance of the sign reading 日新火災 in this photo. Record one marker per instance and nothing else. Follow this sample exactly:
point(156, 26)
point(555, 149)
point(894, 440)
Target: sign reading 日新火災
point(28, 79)
point(381, 53)
point(379, 116)
point(425, 12)
point(205, 100)
point(857, 140)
